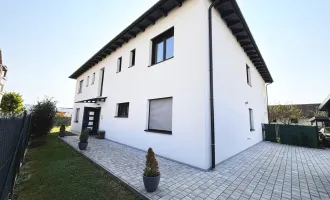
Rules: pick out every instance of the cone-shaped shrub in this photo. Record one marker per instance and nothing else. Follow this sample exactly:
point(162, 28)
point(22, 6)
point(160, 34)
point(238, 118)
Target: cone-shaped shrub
point(151, 169)
point(62, 128)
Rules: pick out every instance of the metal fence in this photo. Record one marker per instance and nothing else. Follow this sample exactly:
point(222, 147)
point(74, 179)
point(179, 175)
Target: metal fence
point(14, 137)
point(292, 134)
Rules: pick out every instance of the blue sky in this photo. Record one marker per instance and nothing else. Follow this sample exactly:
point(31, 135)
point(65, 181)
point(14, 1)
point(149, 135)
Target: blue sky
point(43, 42)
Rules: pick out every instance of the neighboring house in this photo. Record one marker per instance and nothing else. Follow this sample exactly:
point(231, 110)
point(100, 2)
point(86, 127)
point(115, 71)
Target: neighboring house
point(3, 78)
point(307, 112)
point(150, 86)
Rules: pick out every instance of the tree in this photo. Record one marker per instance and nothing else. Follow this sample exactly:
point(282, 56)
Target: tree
point(318, 113)
point(285, 113)
point(43, 117)
point(12, 103)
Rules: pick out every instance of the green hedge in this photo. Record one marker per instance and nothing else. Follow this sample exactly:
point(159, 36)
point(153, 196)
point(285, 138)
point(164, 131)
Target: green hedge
point(60, 120)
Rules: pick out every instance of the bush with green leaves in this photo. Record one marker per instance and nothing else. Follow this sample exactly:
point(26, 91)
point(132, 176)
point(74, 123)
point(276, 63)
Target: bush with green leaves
point(12, 103)
point(43, 115)
point(84, 135)
point(151, 169)
point(62, 128)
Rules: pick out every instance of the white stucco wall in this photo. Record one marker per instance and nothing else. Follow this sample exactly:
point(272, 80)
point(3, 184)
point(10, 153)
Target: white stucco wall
point(232, 95)
point(181, 77)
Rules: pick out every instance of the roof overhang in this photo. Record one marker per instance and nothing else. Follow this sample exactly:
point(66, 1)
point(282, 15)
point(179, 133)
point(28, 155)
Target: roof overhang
point(325, 104)
point(320, 119)
point(157, 11)
point(229, 12)
point(232, 15)
point(93, 100)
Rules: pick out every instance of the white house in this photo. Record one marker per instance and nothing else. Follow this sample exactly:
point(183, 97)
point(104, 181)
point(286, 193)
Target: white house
point(3, 78)
point(151, 86)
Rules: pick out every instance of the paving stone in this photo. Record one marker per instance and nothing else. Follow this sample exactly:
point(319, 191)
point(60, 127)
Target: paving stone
point(265, 171)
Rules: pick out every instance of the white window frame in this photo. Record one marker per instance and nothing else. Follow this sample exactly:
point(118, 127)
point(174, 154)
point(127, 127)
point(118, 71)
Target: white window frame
point(149, 117)
point(251, 119)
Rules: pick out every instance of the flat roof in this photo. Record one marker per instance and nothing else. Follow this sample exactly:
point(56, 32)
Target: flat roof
point(229, 12)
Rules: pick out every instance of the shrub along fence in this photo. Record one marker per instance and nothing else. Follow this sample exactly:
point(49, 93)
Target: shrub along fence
point(14, 137)
point(306, 136)
point(61, 120)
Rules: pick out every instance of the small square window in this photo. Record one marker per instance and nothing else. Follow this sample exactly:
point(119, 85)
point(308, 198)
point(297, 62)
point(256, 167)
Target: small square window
point(119, 64)
point(132, 58)
point(123, 109)
point(163, 46)
point(80, 86)
point(248, 75)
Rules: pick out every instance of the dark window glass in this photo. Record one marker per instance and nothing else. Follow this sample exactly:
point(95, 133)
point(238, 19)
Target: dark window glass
point(77, 115)
point(123, 109)
point(163, 46)
point(119, 64)
point(248, 75)
point(93, 78)
point(251, 120)
point(132, 62)
point(80, 86)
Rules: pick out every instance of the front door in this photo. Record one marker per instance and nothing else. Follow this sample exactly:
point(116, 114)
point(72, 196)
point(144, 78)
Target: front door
point(91, 119)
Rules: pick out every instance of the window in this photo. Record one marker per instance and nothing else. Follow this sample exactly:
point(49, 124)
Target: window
point(248, 75)
point(80, 86)
point(294, 121)
point(163, 46)
point(93, 78)
point(77, 115)
point(119, 64)
point(87, 82)
point(132, 58)
point(122, 110)
point(101, 82)
point(251, 119)
point(160, 115)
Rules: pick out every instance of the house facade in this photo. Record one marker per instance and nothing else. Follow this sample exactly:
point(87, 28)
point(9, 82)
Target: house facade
point(3, 78)
point(151, 85)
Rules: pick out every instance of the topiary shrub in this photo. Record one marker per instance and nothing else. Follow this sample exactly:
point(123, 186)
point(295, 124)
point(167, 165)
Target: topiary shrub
point(84, 135)
point(62, 128)
point(43, 114)
point(151, 169)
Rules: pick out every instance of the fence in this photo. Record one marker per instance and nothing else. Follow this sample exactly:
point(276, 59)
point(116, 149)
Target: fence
point(292, 134)
point(14, 137)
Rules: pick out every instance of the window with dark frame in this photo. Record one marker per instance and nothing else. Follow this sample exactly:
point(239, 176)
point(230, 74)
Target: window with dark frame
point(119, 64)
point(93, 78)
point(163, 46)
point(248, 75)
point(251, 119)
point(132, 58)
point(77, 115)
point(80, 86)
point(87, 82)
point(123, 109)
point(160, 115)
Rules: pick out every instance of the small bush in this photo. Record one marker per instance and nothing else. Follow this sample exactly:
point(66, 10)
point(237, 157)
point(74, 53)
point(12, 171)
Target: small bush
point(43, 114)
point(84, 135)
point(151, 169)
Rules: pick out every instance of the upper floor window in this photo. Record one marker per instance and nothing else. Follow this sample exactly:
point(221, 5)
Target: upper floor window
point(119, 64)
point(163, 46)
point(87, 81)
point(132, 58)
point(80, 86)
point(93, 78)
point(248, 75)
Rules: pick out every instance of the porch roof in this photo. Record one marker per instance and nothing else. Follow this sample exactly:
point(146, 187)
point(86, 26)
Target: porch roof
point(93, 100)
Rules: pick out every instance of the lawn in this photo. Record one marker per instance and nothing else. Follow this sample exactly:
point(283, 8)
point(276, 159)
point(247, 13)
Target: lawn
point(57, 171)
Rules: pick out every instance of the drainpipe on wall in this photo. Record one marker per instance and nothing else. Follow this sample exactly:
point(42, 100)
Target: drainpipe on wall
point(211, 84)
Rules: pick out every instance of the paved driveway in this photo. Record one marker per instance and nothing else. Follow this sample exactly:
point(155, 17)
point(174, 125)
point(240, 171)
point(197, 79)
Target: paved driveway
point(264, 171)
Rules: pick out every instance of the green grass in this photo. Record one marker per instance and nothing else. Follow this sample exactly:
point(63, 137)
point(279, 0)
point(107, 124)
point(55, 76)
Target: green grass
point(56, 171)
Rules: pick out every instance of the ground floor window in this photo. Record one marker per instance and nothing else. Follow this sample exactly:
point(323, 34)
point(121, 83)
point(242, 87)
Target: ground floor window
point(76, 119)
point(251, 119)
point(160, 115)
point(123, 109)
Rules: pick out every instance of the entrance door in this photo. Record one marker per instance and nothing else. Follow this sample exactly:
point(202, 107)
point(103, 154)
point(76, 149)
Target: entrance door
point(91, 119)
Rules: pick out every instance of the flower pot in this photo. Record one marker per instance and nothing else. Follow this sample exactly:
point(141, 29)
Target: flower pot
point(82, 145)
point(101, 134)
point(151, 183)
point(62, 134)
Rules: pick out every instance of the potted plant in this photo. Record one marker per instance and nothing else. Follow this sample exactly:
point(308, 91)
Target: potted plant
point(101, 134)
point(84, 139)
point(151, 175)
point(62, 131)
